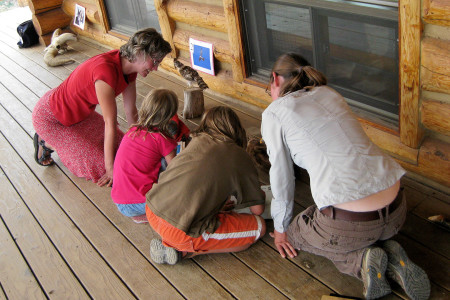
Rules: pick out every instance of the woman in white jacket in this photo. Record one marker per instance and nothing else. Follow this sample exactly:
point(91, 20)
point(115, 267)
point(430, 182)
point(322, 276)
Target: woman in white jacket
point(355, 186)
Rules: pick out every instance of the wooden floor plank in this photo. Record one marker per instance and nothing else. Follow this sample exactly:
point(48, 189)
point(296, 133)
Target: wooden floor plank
point(13, 85)
point(16, 278)
point(281, 273)
point(430, 235)
point(11, 105)
point(90, 268)
point(53, 274)
point(131, 266)
point(195, 285)
point(241, 281)
point(34, 84)
point(23, 61)
point(36, 54)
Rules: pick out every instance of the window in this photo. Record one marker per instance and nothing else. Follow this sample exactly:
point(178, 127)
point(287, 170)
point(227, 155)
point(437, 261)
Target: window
point(126, 17)
point(354, 44)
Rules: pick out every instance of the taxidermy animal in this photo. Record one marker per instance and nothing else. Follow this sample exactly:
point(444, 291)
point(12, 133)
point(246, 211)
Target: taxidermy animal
point(190, 75)
point(58, 46)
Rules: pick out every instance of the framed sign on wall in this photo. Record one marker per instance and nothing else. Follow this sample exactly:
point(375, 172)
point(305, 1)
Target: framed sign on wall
point(202, 58)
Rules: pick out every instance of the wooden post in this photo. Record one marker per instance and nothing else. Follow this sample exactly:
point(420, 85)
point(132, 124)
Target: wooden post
point(194, 103)
point(233, 25)
point(410, 32)
point(167, 25)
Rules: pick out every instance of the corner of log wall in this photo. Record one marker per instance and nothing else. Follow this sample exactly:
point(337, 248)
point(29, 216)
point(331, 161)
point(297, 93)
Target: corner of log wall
point(48, 16)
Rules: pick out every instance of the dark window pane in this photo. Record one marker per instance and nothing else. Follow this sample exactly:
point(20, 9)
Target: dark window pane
point(360, 58)
point(358, 53)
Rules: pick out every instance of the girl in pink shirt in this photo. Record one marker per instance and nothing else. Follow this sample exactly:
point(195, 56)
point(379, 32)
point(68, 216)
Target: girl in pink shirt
point(138, 160)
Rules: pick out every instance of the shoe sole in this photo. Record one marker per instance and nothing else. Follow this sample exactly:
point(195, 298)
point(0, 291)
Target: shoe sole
point(161, 254)
point(140, 219)
point(407, 274)
point(373, 272)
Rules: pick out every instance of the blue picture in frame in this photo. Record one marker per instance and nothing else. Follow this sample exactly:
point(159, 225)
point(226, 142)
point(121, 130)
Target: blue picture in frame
point(199, 57)
point(202, 56)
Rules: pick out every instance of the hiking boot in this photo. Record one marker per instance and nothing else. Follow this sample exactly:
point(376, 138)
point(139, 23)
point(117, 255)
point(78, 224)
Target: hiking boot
point(161, 254)
point(407, 274)
point(373, 273)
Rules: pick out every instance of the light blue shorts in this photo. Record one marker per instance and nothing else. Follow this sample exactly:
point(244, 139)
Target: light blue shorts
point(132, 210)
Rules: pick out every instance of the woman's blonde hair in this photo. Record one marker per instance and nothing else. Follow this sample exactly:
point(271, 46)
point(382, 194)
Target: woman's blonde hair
point(148, 42)
point(156, 110)
point(297, 72)
point(220, 123)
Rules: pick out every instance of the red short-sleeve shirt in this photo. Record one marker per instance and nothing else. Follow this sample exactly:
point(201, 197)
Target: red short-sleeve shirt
point(75, 98)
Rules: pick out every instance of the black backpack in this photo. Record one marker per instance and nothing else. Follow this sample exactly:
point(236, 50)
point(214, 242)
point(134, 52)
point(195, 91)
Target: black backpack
point(28, 35)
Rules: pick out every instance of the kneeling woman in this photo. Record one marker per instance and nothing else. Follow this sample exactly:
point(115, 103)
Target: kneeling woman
point(186, 206)
point(355, 186)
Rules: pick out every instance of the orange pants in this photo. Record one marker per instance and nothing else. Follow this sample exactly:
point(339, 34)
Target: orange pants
point(235, 230)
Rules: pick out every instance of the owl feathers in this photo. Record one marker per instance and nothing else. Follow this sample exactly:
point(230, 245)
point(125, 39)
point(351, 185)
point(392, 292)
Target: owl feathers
point(189, 74)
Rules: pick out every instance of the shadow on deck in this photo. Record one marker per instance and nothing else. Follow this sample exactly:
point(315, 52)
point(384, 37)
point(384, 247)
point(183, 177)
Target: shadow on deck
point(62, 237)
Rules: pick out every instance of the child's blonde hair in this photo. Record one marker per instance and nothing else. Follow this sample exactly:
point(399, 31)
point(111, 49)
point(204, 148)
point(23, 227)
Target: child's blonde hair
point(220, 122)
point(158, 107)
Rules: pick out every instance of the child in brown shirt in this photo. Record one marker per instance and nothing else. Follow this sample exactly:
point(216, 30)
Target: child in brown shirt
point(186, 206)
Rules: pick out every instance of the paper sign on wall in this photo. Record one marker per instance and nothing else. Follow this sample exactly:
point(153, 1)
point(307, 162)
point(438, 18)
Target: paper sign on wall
point(80, 16)
point(202, 58)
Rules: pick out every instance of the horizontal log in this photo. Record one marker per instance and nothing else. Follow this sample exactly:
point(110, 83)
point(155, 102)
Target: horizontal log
point(46, 39)
point(40, 6)
point(436, 12)
point(435, 54)
point(198, 14)
point(389, 141)
point(48, 21)
point(433, 161)
point(221, 49)
point(435, 115)
point(434, 82)
point(92, 13)
point(435, 64)
point(99, 36)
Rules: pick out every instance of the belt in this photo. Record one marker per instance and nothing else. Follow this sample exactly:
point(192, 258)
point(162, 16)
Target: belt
point(346, 215)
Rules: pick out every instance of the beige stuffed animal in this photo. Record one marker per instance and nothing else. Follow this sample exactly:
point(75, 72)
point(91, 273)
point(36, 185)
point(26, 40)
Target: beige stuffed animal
point(58, 46)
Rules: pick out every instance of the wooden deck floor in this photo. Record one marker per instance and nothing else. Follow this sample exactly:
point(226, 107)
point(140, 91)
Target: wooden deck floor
point(62, 237)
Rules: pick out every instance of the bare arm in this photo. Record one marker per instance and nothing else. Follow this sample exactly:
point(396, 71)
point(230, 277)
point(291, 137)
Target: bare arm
point(129, 103)
point(107, 101)
point(170, 156)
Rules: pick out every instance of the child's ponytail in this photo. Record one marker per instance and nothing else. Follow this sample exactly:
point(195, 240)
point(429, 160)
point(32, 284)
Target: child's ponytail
point(297, 73)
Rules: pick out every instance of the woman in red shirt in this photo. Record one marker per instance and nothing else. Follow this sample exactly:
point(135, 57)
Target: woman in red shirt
point(65, 119)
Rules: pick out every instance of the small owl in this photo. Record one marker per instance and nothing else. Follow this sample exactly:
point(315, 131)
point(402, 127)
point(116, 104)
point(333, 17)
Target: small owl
point(190, 75)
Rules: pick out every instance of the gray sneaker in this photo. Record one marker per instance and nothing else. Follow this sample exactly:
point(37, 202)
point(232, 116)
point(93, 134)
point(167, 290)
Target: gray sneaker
point(373, 273)
point(407, 274)
point(161, 254)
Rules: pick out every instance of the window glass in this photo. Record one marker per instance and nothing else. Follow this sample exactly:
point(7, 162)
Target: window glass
point(358, 52)
point(127, 17)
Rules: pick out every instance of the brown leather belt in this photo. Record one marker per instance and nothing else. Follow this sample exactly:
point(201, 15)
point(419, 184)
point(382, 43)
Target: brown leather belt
point(346, 215)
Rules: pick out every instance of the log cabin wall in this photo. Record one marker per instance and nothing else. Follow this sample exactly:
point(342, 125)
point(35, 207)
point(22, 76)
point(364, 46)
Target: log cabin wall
point(422, 142)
